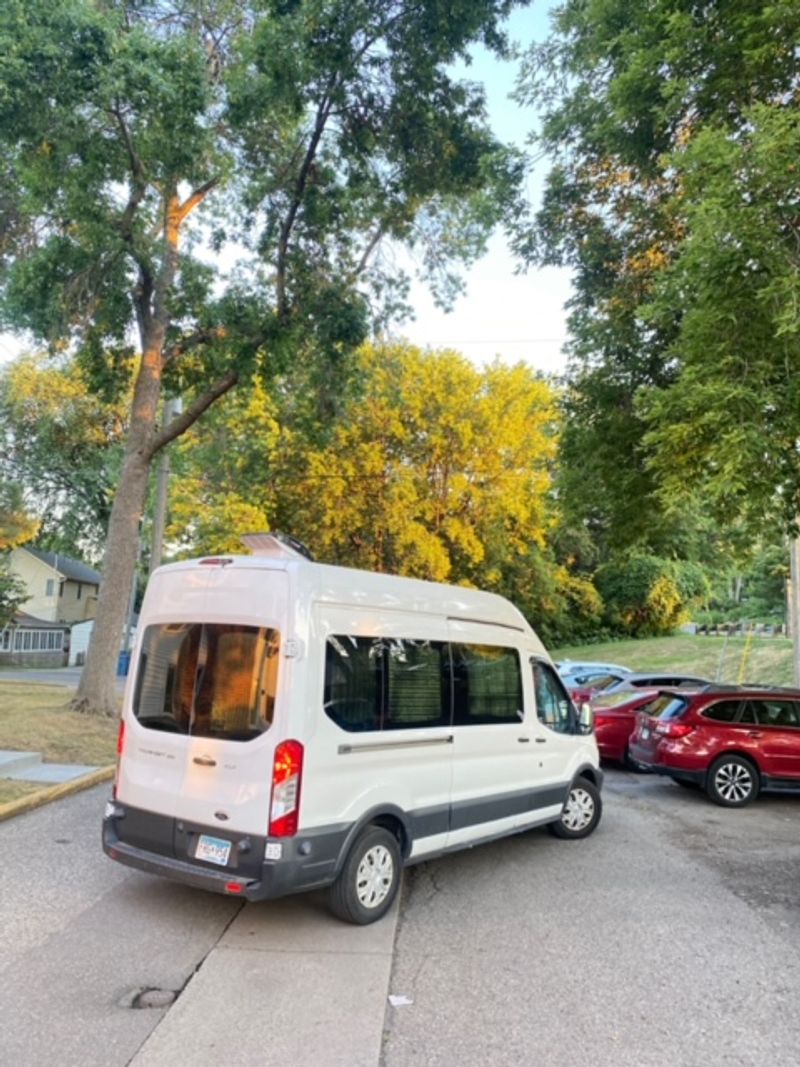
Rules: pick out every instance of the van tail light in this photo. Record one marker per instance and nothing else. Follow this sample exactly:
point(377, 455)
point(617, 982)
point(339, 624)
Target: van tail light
point(287, 774)
point(673, 729)
point(601, 720)
point(120, 750)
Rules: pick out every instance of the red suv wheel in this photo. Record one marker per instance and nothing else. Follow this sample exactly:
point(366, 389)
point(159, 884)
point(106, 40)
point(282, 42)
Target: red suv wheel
point(732, 781)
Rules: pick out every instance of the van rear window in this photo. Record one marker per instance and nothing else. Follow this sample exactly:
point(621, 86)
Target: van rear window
point(207, 680)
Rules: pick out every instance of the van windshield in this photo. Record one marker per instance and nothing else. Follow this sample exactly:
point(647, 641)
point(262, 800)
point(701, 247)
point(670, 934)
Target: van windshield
point(207, 680)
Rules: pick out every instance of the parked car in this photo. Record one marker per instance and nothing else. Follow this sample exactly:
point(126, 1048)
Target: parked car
point(615, 720)
point(732, 742)
point(658, 680)
point(569, 667)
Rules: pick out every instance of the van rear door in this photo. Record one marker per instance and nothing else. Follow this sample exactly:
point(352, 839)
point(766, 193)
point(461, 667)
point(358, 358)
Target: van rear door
point(204, 704)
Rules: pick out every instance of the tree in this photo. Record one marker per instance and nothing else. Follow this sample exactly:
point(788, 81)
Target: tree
point(16, 527)
point(730, 423)
point(63, 443)
point(140, 142)
point(650, 110)
point(429, 468)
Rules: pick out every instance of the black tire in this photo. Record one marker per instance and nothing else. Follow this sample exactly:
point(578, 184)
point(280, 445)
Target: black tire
point(369, 879)
point(732, 781)
point(581, 812)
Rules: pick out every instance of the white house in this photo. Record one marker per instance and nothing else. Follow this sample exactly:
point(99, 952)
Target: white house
point(61, 591)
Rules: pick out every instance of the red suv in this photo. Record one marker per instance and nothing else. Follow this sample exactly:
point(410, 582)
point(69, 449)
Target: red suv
point(732, 742)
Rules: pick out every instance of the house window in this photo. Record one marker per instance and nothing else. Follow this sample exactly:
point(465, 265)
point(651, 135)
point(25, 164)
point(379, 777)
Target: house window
point(33, 640)
point(51, 587)
point(78, 595)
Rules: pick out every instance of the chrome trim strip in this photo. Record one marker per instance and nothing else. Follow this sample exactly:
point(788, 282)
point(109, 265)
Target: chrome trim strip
point(382, 746)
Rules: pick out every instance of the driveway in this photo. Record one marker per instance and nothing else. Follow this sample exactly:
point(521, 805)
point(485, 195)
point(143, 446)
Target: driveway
point(670, 938)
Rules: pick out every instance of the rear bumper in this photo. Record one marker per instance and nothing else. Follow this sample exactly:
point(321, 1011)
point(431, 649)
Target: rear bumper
point(307, 861)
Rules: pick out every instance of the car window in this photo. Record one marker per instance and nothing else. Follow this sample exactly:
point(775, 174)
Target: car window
point(666, 707)
point(778, 712)
point(722, 711)
point(553, 706)
point(748, 714)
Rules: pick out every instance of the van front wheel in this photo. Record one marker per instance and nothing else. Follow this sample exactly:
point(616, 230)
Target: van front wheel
point(581, 812)
point(368, 882)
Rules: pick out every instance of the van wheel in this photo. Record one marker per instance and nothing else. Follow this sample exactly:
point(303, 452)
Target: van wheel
point(732, 781)
point(368, 882)
point(581, 813)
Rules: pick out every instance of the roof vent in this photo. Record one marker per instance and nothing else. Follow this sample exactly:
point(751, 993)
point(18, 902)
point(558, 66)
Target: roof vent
point(275, 546)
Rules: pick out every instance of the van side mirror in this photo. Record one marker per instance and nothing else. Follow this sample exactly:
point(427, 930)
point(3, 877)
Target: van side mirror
point(585, 718)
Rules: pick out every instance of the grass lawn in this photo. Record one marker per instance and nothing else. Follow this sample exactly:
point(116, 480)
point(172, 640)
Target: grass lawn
point(37, 718)
point(763, 660)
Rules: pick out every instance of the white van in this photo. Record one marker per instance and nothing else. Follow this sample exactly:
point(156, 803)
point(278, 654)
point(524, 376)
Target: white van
point(289, 725)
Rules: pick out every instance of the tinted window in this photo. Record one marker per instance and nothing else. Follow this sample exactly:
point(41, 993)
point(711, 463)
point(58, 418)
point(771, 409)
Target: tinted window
point(354, 670)
point(666, 707)
point(487, 685)
point(418, 684)
point(386, 683)
point(724, 711)
point(553, 706)
point(777, 712)
point(207, 680)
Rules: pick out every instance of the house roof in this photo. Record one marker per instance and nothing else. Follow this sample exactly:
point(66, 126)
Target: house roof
point(69, 568)
point(30, 622)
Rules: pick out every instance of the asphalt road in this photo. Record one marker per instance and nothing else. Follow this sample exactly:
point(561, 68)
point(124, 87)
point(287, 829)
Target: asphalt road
point(669, 938)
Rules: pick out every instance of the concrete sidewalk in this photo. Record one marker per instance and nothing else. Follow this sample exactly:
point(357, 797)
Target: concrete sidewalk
point(287, 983)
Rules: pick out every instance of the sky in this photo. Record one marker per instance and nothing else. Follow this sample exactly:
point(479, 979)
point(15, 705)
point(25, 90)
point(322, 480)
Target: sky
point(513, 316)
point(502, 313)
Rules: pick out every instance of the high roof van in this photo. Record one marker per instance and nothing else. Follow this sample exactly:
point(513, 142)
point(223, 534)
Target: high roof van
point(289, 725)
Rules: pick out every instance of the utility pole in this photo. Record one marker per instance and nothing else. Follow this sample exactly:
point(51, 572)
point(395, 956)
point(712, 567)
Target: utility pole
point(794, 604)
point(172, 407)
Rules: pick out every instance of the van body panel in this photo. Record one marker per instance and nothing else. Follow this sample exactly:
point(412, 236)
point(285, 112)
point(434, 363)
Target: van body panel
point(349, 773)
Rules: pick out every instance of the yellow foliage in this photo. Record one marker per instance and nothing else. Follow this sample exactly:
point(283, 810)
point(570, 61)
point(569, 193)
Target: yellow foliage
point(432, 468)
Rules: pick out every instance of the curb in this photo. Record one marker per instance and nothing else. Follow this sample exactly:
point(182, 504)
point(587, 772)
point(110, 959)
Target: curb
point(57, 792)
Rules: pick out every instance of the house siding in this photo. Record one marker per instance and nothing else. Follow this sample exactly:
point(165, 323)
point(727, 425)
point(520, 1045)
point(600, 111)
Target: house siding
point(35, 574)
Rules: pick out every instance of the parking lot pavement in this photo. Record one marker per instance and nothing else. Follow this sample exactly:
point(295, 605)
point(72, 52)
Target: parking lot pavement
point(670, 937)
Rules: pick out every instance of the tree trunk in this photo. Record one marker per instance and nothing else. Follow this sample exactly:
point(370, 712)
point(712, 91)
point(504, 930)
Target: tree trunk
point(97, 689)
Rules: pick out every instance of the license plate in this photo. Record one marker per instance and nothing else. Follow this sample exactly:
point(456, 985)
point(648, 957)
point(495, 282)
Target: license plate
point(213, 850)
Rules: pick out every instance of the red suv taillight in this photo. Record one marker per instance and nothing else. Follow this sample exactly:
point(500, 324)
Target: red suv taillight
point(120, 750)
point(672, 729)
point(287, 774)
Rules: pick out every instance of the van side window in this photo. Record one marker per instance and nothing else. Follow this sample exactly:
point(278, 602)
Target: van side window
point(553, 705)
point(487, 685)
point(418, 684)
point(383, 683)
point(354, 683)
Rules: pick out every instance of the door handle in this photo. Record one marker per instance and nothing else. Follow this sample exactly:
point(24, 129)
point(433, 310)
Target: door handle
point(755, 733)
point(541, 740)
point(523, 740)
point(204, 761)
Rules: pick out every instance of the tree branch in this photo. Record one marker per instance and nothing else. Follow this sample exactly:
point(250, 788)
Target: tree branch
point(323, 113)
point(197, 197)
point(182, 422)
